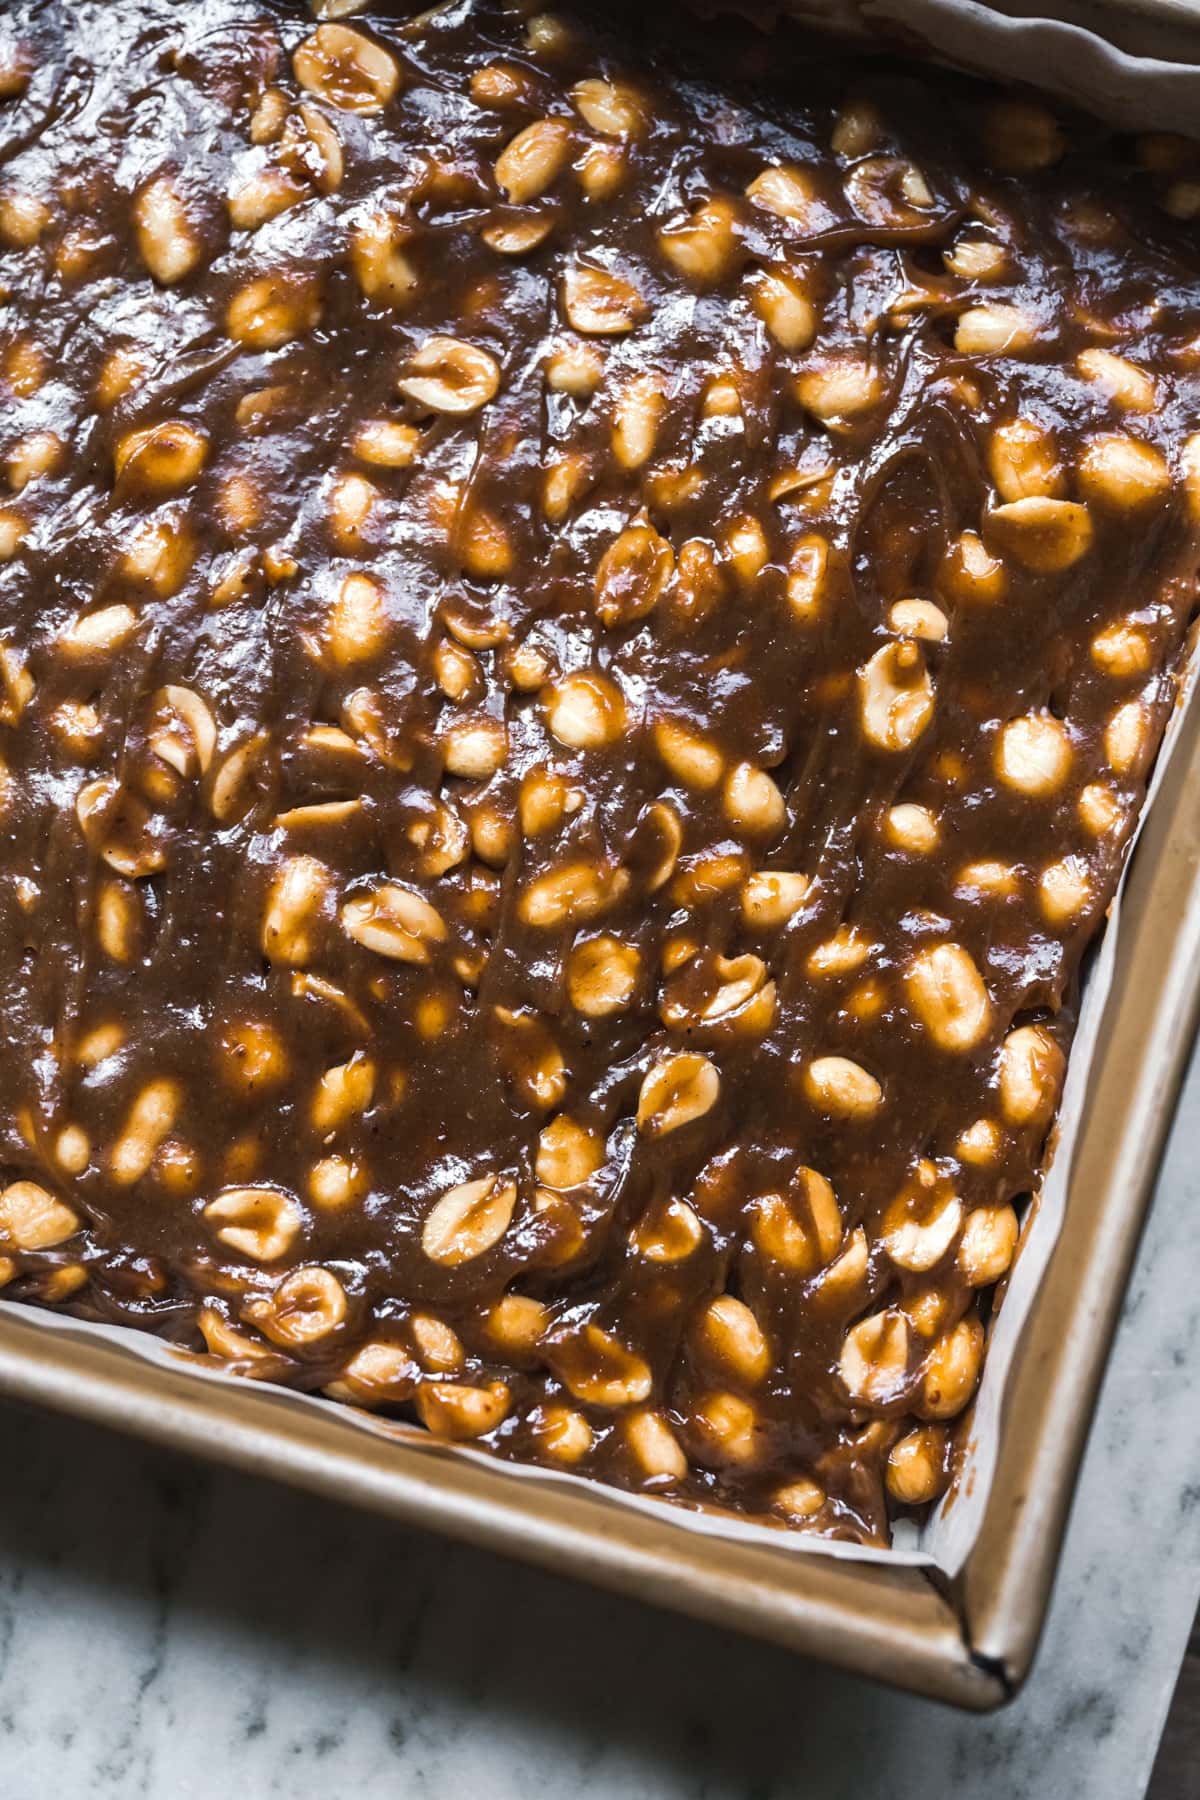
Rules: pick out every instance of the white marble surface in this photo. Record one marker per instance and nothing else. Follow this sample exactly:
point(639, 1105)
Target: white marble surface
point(172, 1632)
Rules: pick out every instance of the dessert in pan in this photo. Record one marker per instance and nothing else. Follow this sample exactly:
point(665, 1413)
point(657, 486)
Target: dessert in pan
point(585, 614)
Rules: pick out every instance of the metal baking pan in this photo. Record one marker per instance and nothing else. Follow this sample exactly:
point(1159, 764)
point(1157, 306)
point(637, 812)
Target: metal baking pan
point(967, 1640)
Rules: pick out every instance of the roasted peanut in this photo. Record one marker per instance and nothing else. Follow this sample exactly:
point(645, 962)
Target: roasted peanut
point(468, 1220)
point(350, 71)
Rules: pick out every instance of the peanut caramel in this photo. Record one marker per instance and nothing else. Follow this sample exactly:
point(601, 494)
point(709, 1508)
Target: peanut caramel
point(585, 611)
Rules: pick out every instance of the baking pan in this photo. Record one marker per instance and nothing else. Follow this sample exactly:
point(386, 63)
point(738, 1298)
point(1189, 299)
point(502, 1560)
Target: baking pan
point(967, 1640)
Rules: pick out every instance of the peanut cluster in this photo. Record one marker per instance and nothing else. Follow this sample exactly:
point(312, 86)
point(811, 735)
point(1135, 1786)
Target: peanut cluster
point(579, 652)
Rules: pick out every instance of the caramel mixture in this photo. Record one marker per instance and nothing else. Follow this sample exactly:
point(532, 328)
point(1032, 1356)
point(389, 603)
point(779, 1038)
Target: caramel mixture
point(583, 621)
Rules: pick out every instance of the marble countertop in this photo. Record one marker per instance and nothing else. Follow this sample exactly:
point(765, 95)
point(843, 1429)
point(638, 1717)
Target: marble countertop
point(176, 1632)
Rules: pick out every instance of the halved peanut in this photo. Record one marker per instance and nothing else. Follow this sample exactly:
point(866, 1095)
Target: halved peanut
point(147, 1123)
point(923, 1221)
point(311, 147)
point(307, 1306)
point(677, 1090)
point(858, 129)
point(639, 409)
point(516, 1323)
point(1122, 473)
point(562, 1434)
point(753, 800)
point(896, 698)
point(252, 1055)
point(669, 1232)
point(259, 1222)
point(599, 303)
point(568, 1153)
point(1123, 649)
point(40, 453)
point(452, 1410)
point(843, 953)
point(585, 711)
point(913, 828)
point(690, 756)
point(988, 1241)
point(971, 572)
point(948, 995)
point(273, 310)
point(386, 443)
point(602, 976)
point(840, 391)
point(438, 1347)
point(378, 1372)
point(995, 329)
point(335, 1182)
point(571, 894)
point(600, 1370)
point(565, 479)
point(348, 70)
point(232, 790)
point(888, 191)
point(343, 1092)
point(610, 107)
point(790, 193)
point(782, 302)
point(916, 1471)
point(661, 825)
point(161, 458)
point(842, 1088)
point(976, 259)
point(1064, 889)
point(1127, 738)
point(798, 1499)
point(448, 375)
point(475, 748)
point(919, 619)
point(800, 1230)
point(725, 1430)
point(183, 732)
point(1031, 1072)
point(357, 627)
point(773, 896)
point(1033, 755)
point(1023, 459)
point(32, 1218)
point(632, 574)
point(745, 548)
point(1099, 809)
point(703, 246)
point(468, 1220)
point(168, 240)
point(380, 260)
point(1132, 388)
point(873, 1363)
point(728, 1332)
point(13, 532)
point(395, 922)
point(262, 197)
point(1046, 535)
point(655, 1447)
point(531, 161)
point(951, 1371)
point(576, 369)
point(295, 903)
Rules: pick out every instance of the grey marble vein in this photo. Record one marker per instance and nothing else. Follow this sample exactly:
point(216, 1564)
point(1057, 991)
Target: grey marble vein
point(172, 1632)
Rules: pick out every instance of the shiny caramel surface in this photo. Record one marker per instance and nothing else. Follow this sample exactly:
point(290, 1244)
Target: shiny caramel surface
point(584, 617)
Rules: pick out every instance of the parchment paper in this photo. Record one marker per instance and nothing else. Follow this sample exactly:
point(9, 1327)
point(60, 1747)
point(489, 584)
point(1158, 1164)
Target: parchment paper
point(1132, 91)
